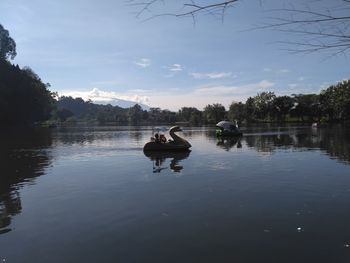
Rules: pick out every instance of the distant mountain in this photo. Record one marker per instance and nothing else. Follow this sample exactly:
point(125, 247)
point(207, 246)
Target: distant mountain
point(102, 111)
point(121, 103)
point(101, 97)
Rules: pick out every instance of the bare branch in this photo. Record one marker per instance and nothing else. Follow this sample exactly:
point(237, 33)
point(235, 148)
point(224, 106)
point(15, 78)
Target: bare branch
point(329, 25)
point(318, 29)
point(191, 8)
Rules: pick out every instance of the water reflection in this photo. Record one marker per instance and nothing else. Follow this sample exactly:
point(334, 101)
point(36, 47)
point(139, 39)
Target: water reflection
point(333, 140)
point(227, 143)
point(230, 198)
point(158, 159)
point(269, 143)
point(23, 157)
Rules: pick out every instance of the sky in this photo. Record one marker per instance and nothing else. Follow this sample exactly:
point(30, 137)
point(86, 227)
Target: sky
point(101, 50)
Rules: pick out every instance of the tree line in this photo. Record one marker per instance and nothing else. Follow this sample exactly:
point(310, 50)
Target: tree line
point(331, 105)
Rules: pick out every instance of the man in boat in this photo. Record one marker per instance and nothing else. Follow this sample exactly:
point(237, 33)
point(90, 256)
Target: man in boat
point(156, 136)
point(160, 138)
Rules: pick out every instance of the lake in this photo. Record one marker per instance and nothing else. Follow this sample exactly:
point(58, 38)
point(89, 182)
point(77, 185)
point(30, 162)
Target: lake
point(278, 194)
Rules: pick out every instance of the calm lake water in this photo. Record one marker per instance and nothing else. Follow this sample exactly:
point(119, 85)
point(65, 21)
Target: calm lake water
point(92, 195)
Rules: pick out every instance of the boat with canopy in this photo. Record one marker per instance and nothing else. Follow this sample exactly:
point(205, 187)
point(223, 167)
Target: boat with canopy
point(227, 128)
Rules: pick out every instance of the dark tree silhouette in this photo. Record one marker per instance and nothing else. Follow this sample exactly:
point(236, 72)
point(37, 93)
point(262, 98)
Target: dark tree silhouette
point(237, 112)
point(214, 113)
point(24, 98)
point(7, 45)
point(281, 106)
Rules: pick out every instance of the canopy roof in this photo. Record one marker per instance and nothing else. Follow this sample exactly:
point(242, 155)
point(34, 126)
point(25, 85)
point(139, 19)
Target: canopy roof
point(226, 125)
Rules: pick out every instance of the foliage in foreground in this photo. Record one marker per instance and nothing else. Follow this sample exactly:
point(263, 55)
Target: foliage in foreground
point(24, 98)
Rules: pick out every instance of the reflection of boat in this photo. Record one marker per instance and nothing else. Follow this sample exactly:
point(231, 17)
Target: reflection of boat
point(227, 128)
point(175, 144)
point(159, 157)
point(229, 142)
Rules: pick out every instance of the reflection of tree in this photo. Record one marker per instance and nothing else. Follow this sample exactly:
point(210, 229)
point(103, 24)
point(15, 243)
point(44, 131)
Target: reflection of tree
point(334, 140)
point(71, 136)
point(23, 158)
point(158, 158)
point(136, 134)
point(87, 135)
point(268, 143)
point(10, 205)
point(229, 142)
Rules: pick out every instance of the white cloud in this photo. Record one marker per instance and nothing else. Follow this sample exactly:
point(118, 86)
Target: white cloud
point(175, 68)
point(140, 90)
point(284, 71)
point(105, 83)
point(293, 85)
point(324, 85)
point(218, 90)
point(202, 96)
point(212, 75)
point(276, 71)
point(100, 96)
point(143, 62)
point(264, 84)
point(169, 75)
point(174, 99)
point(234, 90)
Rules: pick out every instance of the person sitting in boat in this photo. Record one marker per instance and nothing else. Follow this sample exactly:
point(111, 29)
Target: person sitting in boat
point(156, 136)
point(162, 138)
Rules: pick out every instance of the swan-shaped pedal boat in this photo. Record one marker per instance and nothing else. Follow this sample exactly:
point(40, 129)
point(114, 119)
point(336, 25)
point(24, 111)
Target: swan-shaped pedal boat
point(175, 144)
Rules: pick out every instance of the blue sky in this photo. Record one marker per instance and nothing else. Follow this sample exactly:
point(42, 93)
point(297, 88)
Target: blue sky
point(100, 50)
